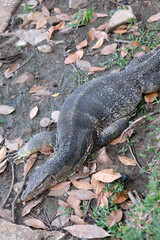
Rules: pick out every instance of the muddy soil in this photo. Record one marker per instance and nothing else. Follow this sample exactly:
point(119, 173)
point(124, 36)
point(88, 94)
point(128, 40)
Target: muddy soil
point(50, 71)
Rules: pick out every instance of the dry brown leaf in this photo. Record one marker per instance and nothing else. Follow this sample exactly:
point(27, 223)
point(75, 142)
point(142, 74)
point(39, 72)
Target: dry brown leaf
point(83, 65)
point(59, 189)
point(102, 156)
point(127, 161)
point(46, 150)
point(77, 220)
point(91, 35)
point(1, 138)
point(5, 109)
point(59, 222)
point(5, 213)
point(75, 204)
point(41, 23)
point(101, 15)
point(55, 95)
point(45, 11)
point(124, 51)
point(9, 72)
point(121, 29)
point(146, 49)
point(63, 17)
point(154, 18)
point(49, 33)
point(102, 27)
point(109, 49)
point(114, 217)
point(121, 197)
point(117, 140)
point(45, 122)
point(134, 43)
point(97, 185)
point(3, 166)
point(99, 34)
point(87, 231)
point(29, 206)
point(33, 112)
point(150, 97)
point(104, 201)
point(107, 175)
point(98, 43)
point(96, 69)
point(82, 44)
point(57, 10)
point(81, 194)
point(138, 54)
point(11, 144)
point(62, 203)
point(72, 58)
point(30, 161)
point(59, 26)
point(92, 167)
point(35, 223)
point(3, 152)
point(39, 90)
point(81, 184)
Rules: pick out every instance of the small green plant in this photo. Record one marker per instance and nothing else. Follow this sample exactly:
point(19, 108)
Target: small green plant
point(83, 17)
point(28, 8)
point(18, 48)
point(67, 211)
point(2, 121)
point(80, 77)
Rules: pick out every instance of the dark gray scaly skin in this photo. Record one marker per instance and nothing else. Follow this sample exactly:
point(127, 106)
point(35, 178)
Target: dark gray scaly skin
point(92, 116)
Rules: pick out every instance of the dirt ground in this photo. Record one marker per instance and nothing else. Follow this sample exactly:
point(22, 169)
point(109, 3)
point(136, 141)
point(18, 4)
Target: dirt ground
point(50, 71)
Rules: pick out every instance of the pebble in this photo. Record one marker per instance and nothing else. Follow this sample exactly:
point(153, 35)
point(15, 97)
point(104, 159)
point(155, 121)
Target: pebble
point(45, 48)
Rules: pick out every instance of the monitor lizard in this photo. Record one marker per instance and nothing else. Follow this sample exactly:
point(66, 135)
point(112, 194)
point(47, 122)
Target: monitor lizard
point(93, 115)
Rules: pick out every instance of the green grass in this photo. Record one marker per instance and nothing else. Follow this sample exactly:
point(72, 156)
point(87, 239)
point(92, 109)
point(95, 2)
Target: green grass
point(80, 77)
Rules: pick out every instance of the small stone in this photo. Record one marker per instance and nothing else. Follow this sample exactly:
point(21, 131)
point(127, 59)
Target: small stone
point(21, 43)
point(76, 3)
point(120, 17)
point(25, 78)
point(44, 48)
point(1, 64)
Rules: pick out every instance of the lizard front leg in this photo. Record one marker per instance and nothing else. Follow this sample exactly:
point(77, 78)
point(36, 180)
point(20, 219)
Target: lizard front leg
point(33, 146)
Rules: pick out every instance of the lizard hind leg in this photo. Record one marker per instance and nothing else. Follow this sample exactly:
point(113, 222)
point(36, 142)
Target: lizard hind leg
point(33, 145)
point(112, 132)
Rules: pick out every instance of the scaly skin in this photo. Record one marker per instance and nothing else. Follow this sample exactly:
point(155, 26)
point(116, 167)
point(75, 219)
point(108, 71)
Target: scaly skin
point(92, 116)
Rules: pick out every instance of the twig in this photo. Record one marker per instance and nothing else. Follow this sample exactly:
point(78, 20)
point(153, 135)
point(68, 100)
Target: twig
point(86, 210)
point(137, 121)
point(121, 41)
point(12, 182)
point(16, 197)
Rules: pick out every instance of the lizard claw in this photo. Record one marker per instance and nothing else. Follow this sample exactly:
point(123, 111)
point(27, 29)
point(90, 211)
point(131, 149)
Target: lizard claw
point(15, 157)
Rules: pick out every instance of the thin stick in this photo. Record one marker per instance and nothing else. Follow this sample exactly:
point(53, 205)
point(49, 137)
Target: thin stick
point(12, 182)
point(121, 41)
point(85, 213)
point(16, 197)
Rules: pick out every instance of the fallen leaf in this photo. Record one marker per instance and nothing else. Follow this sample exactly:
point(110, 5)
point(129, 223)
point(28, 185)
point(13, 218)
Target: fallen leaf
point(41, 22)
point(83, 65)
point(39, 90)
point(3, 152)
point(55, 95)
point(5, 109)
point(46, 150)
point(81, 184)
point(59, 189)
point(134, 43)
point(45, 11)
point(98, 43)
point(117, 140)
point(106, 175)
point(127, 161)
point(9, 72)
point(49, 33)
point(104, 201)
point(77, 220)
point(3, 166)
point(154, 18)
point(57, 10)
point(45, 122)
point(54, 116)
point(109, 49)
point(102, 27)
point(121, 197)
point(33, 112)
point(124, 51)
point(82, 44)
point(11, 144)
point(81, 194)
point(101, 15)
point(32, 36)
point(35, 223)
point(102, 156)
point(150, 97)
point(30, 161)
point(60, 221)
point(72, 58)
point(63, 17)
point(121, 29)
point(96, 69)
point(1, 138)
point(29, 206)
point(87, 231)
point(97, 185)
point(5, 213)
point(138, 54)
point(75, 204)
point(99, 34)
point(91, 35)
point(146, 49)
point(114, 217)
